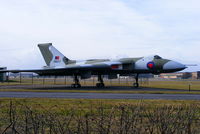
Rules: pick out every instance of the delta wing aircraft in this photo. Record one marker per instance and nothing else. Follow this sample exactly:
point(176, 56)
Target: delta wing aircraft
point(59, 65)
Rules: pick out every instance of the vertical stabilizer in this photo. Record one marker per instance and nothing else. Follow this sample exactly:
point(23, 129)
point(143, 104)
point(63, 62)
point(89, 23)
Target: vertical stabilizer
point(52, 56)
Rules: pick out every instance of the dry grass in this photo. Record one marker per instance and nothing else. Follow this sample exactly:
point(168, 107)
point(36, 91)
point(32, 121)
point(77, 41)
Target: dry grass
point(62, 116)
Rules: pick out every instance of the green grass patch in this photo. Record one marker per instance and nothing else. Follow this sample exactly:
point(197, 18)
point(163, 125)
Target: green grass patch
point(177, 85)
point(194, 85)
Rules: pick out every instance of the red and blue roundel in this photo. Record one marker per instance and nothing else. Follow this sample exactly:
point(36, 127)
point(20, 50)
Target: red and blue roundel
point(151, 65)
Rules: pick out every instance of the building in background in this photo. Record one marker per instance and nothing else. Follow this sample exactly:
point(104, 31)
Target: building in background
point(198, 75)
point(180, 75)
point(3, 75)
point(171, 75)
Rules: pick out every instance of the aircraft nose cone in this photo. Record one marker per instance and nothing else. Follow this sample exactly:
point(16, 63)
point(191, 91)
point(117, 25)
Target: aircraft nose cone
point(172, 65)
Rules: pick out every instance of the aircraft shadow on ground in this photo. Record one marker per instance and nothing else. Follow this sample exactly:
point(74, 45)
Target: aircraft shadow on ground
point(108, 88)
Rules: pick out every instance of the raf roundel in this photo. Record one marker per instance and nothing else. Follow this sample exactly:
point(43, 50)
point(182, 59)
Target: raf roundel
point(57, 57)
point(150, 65)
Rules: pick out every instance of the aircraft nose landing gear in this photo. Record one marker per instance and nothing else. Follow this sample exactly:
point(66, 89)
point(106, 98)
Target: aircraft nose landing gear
point(136, 84)
point(77, 83)
point(100, 84)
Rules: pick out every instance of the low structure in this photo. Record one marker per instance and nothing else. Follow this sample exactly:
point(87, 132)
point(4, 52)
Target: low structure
point(198, 75)
point(3, 75)
point(171, 75)
point(181, 75)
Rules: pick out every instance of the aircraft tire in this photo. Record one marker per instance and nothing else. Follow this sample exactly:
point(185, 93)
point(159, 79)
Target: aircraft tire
point(135, 85)
point(97, 85)
point(100, 85)
point(76, 85)
point(72, 85)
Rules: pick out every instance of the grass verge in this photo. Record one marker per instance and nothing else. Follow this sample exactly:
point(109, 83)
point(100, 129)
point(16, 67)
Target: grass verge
point(58, 116)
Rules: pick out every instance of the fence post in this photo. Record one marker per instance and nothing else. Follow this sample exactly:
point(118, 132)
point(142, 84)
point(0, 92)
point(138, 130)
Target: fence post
point(119, 80)
point(32, 78)
point(189, 87)
point(55, 80)
point(20, 78)
point(65, 80)
point(8, 79)
point(43, 80)
point(93, 80)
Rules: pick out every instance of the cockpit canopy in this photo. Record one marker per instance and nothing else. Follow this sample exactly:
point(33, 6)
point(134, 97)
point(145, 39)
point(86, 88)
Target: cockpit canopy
point(153, 57)
point(157, 57)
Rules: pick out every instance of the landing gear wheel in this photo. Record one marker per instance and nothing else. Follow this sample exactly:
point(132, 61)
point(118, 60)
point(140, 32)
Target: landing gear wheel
point(100, 85)
point(76, 85)
point(135, 85)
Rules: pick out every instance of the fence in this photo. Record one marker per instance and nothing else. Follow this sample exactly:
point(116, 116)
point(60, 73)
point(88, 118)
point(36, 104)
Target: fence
point(33, 79)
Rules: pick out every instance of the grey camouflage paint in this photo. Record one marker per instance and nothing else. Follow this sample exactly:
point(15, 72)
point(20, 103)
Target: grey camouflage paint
point(58, 64)
point(103, 66)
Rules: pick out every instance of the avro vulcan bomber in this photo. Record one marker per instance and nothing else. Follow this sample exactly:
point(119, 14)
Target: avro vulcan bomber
point(59, 65)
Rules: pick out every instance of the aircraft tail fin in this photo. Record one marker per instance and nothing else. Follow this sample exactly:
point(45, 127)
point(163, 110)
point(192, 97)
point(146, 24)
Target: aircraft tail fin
point(52, 56)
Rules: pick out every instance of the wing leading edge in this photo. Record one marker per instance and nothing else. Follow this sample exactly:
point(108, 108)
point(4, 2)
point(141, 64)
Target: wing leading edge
point(58, 65)
point(69, 69)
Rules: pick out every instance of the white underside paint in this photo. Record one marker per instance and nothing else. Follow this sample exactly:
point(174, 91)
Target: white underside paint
point(142, 63)
point(173, 65)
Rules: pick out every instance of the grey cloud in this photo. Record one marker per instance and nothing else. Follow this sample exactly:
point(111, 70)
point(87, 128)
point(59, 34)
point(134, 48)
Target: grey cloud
point(99, 28)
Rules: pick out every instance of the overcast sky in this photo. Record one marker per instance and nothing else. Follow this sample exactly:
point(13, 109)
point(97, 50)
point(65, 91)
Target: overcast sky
point(84, 29)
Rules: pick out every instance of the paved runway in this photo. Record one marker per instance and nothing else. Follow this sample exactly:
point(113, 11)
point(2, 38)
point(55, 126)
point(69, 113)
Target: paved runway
point(98, 95)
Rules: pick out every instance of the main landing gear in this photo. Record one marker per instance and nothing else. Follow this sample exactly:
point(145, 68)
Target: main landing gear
point(100, 84)
point(136, 84)
point(77, 83)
